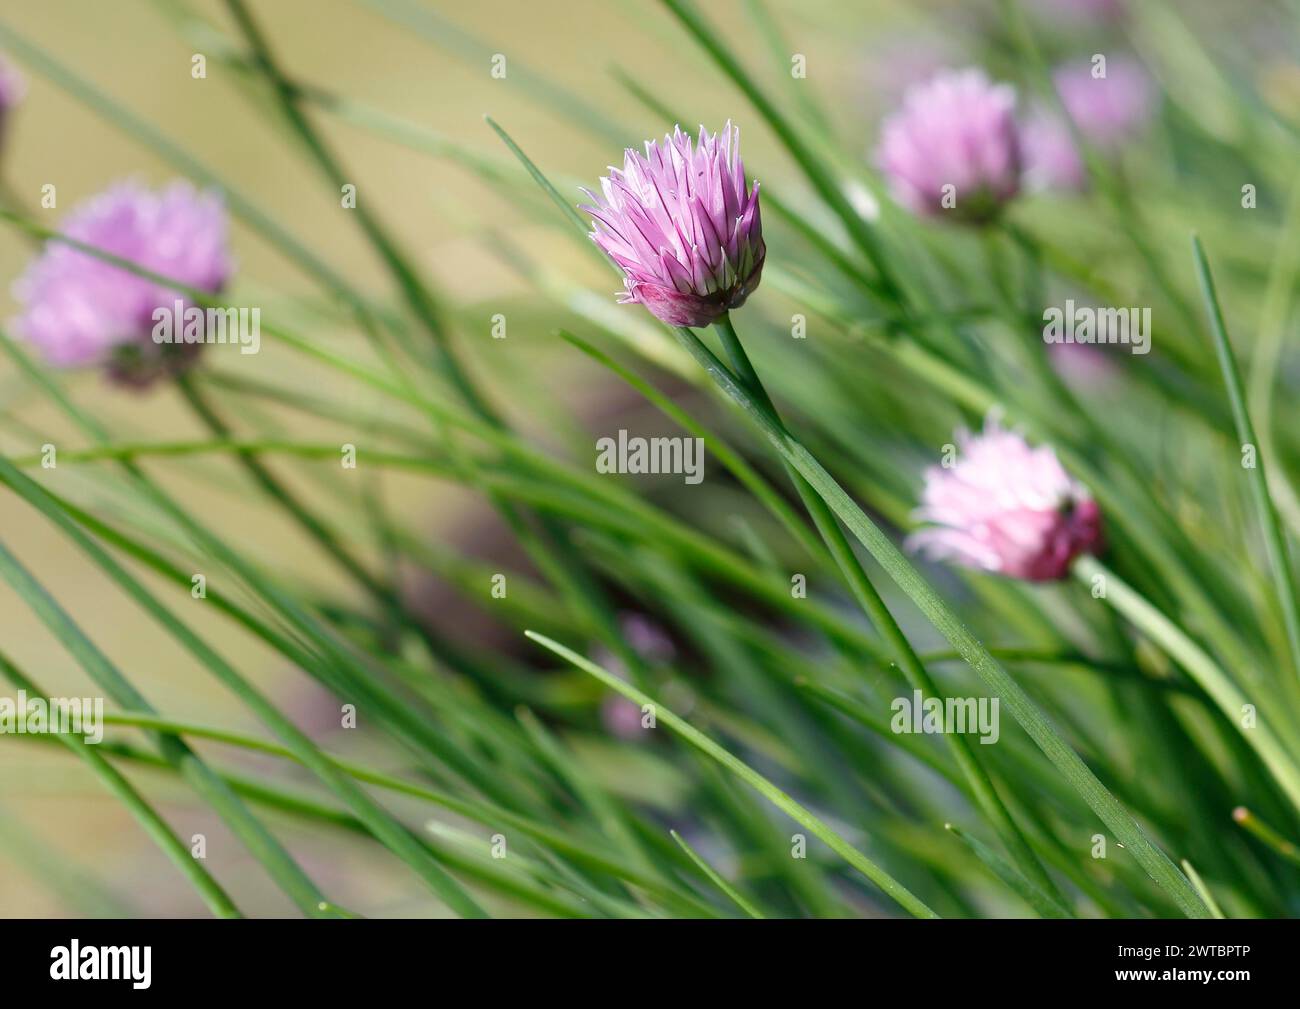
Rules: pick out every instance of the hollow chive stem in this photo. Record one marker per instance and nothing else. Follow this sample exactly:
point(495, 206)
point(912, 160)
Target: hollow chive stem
point(870, 601)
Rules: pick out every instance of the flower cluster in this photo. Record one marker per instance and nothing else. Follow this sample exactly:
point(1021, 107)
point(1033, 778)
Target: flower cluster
point(957, 145)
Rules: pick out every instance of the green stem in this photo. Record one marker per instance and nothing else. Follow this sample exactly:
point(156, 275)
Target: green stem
point(485, 813)
point(277, 492)
point(716, 878)
point(1199, 666)
point(760, 784)
point(869, 599)
point(154, 825)
point(278, 863)
point(1156, 863)
point(385, 827)
point(1252, 823)
point(1274, 543)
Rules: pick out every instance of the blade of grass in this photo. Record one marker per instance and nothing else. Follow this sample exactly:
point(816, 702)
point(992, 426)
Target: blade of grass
point(563, 842)
point(716, 879)
point(1203, 669)
point(1275, 544)
point(1048, 907)
point(1203, 890)
point(387, 829)
point(259, 841)
point(756, 781)
point(876, 610)
point(208, 889)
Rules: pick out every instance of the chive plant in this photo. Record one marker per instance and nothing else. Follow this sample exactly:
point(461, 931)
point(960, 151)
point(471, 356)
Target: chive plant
point(775, 691)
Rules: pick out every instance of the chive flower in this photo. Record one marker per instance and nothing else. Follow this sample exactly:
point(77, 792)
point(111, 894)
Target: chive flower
point(1109, 111)
point(1005, 507)
point(953, 147)
point(680, 224)
point(79, 310)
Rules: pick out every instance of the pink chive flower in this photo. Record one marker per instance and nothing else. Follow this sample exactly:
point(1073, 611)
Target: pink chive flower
point(1006, 507)
point(680, 225)
point(13, 86)
point(953, 147)
point(80, 310)
point(1109, 111)
point(1052, 159)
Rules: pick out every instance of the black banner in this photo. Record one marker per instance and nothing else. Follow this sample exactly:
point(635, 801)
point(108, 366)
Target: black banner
point(361, 957)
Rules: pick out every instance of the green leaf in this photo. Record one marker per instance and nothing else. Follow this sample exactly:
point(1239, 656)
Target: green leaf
point(255, 837)
point(385, 827)
point(154, 825)
point(716, 879)
point(747, 774)
point(1048, 907)
point(1275, 545)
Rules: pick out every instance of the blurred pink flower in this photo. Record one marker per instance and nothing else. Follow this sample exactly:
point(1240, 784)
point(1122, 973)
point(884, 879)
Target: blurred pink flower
point(1112, 110)
point(1052, 160)
point(680, 224)
point(1006, 507)
point(957, 130)
point(79, 310)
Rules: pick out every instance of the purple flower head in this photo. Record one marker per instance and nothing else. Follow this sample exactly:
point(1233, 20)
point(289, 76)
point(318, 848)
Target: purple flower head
point(953, 147)
point(80, 310)
point(681, 226)
point(13, 86)
point(1110, 110)
point(1006, 507)
point(1052, 159)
